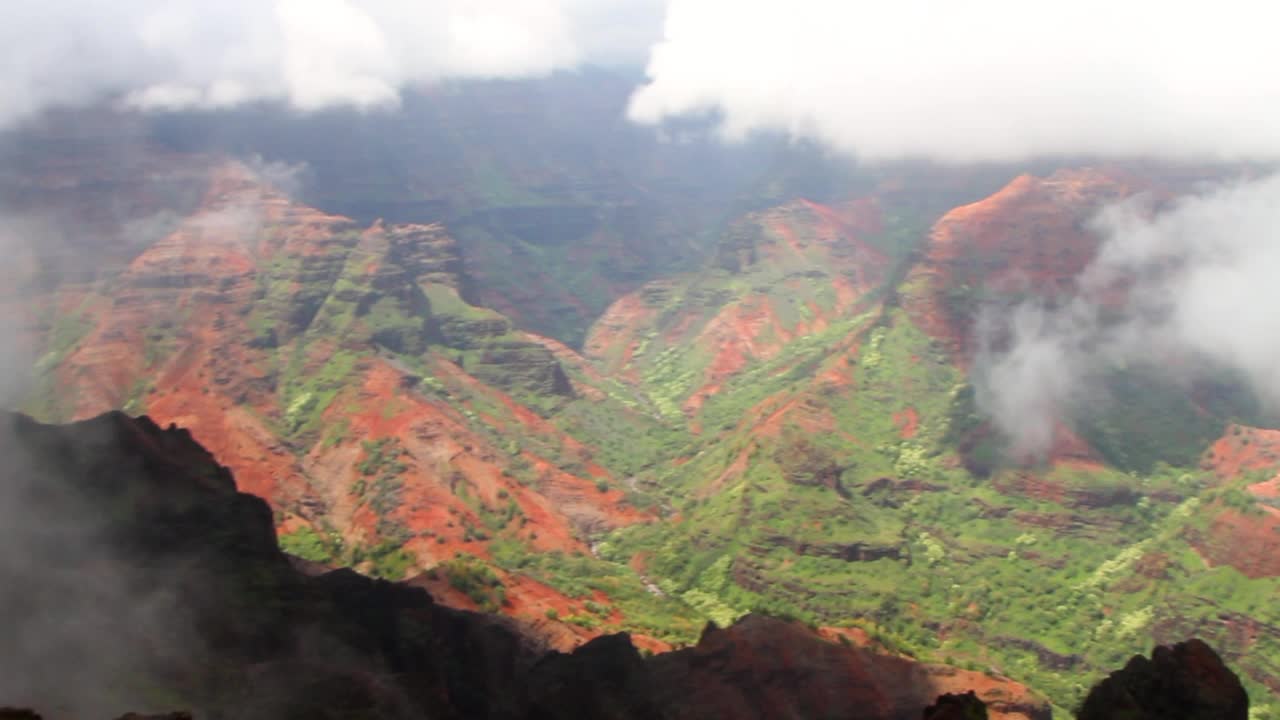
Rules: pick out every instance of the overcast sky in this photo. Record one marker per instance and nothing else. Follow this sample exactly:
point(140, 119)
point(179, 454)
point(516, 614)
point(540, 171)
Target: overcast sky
point(308, 53)
point(985, 79)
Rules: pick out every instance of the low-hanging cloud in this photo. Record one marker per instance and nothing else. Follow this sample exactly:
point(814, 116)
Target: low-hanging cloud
point(1187, 290)
point(308, 53)
point(985, 80)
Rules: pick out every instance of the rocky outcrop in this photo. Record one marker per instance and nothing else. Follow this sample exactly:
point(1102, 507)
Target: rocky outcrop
point(849, 552)
point(953, 706)
point(1186, 681)
point(762, 667)
point(605, 678)
point(521, 365)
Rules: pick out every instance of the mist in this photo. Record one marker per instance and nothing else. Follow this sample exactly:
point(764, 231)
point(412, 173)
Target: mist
point(993, 80)
point(85, 630)
point(1185, 291)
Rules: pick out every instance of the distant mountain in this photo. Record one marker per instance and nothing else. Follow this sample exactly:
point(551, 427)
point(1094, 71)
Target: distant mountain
point(562, 203)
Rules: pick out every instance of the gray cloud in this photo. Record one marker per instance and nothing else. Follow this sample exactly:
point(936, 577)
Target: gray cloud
point(985, 80)
point(309, 53)
point(1186, 290)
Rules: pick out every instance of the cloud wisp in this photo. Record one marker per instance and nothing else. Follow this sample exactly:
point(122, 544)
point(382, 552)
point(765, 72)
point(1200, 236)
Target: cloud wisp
point(1188, 290)
point(991, 80)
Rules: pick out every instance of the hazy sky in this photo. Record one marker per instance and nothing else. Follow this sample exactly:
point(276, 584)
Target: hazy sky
point(986, 79)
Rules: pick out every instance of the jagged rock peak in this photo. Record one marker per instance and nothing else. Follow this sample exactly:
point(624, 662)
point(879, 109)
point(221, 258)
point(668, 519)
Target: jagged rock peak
point(1187, 681)
point(957, 706)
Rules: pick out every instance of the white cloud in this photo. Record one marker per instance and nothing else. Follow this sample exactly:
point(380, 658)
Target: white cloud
point(334, 53)
point(1199, 280)
point(309, 53)
point(979, 80)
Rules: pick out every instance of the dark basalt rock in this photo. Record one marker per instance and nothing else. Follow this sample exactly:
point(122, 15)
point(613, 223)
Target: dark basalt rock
point(605, 678)
point(1185, 682)
point(957, 706)
point(7, 713)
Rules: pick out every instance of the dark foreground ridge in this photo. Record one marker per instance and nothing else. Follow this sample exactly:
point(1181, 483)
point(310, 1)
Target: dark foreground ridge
point(139, 579)
point(1187, 680)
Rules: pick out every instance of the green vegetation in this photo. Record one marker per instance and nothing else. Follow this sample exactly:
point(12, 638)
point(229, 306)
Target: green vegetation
point(310, 545)
point(647, 609)
point(1144, 421)
point(381, 456)
point(473, 578)
point(389, 560)
point(862, 526)
point(45, 401)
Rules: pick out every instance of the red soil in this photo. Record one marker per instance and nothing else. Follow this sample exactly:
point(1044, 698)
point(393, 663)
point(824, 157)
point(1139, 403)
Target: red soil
point(1031, 485)
point(908, 422)
point(1071, 450)
point(1269, 489)
point(839, 373)
point(769, 418)
point(1243, 449)
point(740, 333)
point(621, 326)
point(854, 636)
point(749, 328)
point(1248, 542)
point(857, 218)
point(1030, 236)
point(188, 285)
point(831, 235)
